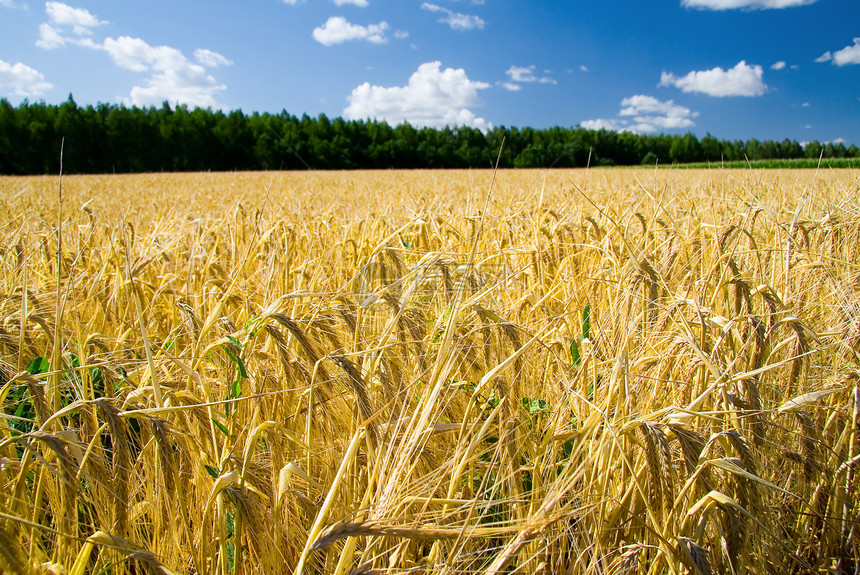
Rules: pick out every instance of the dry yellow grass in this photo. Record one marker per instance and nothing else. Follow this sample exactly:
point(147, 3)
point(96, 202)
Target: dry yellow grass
point(583, 372)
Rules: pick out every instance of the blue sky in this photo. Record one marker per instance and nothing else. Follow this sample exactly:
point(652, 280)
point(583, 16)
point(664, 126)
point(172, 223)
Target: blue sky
point(738, 69)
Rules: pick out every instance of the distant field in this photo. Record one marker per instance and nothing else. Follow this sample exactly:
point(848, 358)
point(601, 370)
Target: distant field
point(603, 371)
point(823, 164)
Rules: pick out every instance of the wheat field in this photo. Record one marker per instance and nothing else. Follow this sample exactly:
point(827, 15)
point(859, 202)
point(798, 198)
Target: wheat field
point(588, 372)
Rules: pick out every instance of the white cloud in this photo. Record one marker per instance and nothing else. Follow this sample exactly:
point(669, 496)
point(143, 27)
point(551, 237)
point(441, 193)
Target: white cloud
point(804, 105)
point(584, 68)
point(173, 78)
point(640, 104)
point(79, 19)
point(848, 54)
point(136, 55)
point(645, 114)
point(602, 124)
point(338, 30)
point(524, 75)
point(843, 57)
point(50, 37)
point(21, 80)
point(744, 4)
point(742, 80)
point(513, 87)
point(67, 25)
point(211, 59)
point(433, 97)
point(459, 21)
point(188, 84)
point(520, 74)
point(455, 20)
point(401, 34)
point(778, 65)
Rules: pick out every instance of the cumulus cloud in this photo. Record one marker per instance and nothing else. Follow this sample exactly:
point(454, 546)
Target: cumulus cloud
point(848, 54)
point(744, 4)
point(648, 105)
point(524, 75)
point(189, 85)
point(172, 77)
point(137, 55)
point(433, 97)
point(778, 65)
point(650, 114)
point(211, 59)
point(50, 37)
point(520, 74)
point(338, 30)
point(81, 21)
point(604, 124)
point(22, 80)
point(742, 80)
point(455, 20)
point(843, 57)
point(645, 114)
point(67, 25)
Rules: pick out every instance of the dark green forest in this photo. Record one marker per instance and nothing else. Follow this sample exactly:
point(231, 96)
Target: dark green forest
point(116, 139)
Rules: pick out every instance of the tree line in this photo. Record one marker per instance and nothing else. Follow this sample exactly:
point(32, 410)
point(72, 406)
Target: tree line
point(115, 138)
